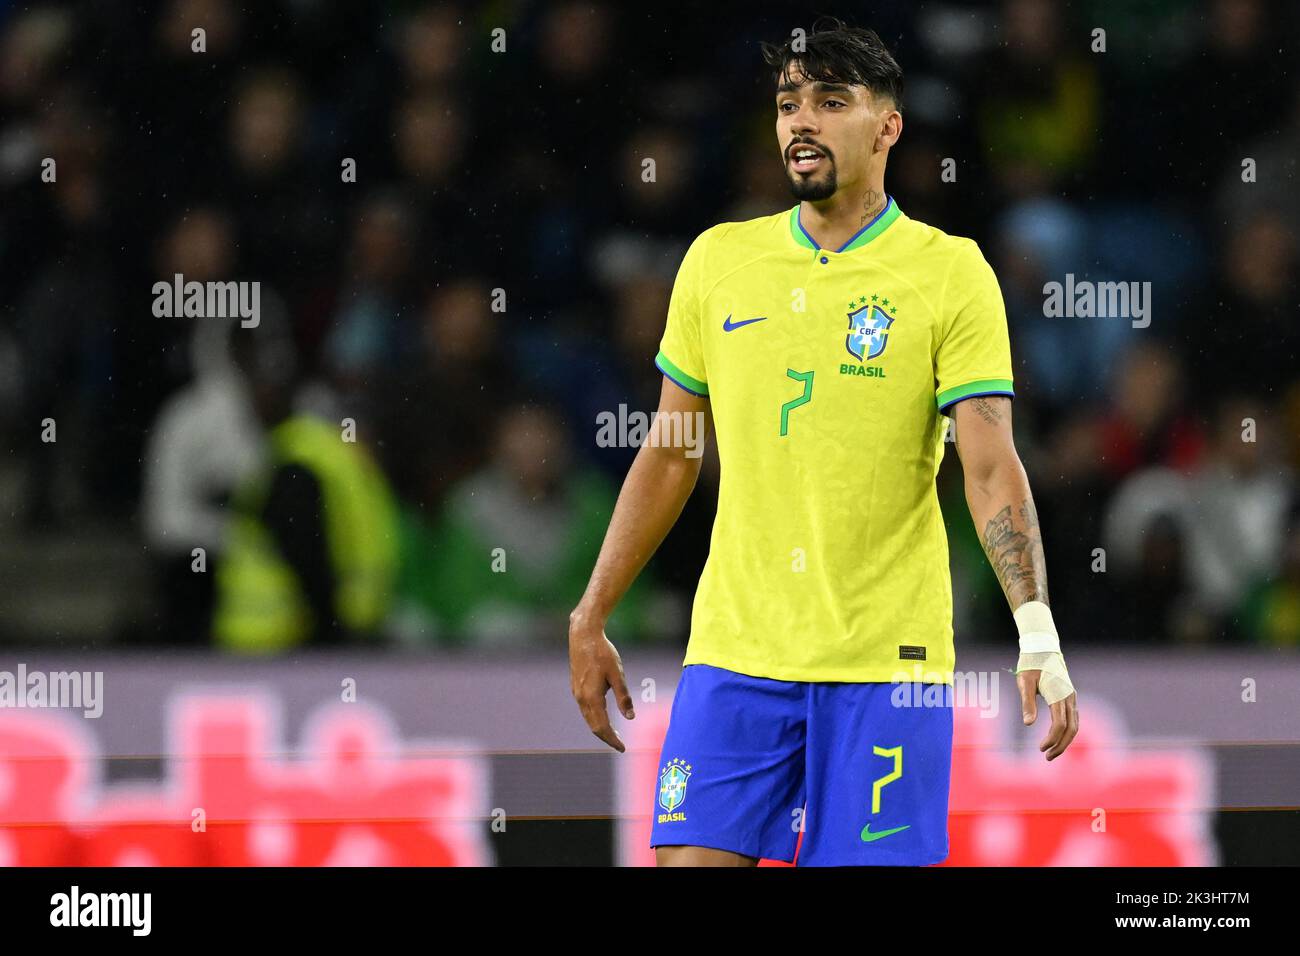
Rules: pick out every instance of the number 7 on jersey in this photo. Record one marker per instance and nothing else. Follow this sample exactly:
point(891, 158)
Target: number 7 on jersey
point(804, 399)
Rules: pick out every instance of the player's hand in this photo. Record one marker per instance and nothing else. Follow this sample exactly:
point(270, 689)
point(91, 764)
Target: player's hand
point(1065, 714)
point(594, 668)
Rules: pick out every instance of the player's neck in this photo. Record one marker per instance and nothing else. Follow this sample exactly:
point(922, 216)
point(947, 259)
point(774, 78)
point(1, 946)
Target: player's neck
point(833, 222)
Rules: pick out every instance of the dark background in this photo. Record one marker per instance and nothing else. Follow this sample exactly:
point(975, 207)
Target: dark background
point(520, 171)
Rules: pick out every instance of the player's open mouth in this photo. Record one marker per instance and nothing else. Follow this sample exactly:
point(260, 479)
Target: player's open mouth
point(804, 159)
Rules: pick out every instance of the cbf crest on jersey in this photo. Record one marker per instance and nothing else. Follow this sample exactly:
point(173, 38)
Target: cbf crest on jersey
point(672, 786)
point(868, 328)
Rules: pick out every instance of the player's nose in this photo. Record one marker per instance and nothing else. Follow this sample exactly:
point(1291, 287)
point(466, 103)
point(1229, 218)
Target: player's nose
point(802, 126)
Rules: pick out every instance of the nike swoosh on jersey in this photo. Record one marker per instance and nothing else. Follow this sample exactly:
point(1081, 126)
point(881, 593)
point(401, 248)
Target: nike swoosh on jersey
point(869, 837)
point(729, 326)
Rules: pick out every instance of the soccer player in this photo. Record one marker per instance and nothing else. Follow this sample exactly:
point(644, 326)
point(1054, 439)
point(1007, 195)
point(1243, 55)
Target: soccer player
point(826, 348)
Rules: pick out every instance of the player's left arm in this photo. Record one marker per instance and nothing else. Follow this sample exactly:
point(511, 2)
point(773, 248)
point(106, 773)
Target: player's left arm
point(1002, 507)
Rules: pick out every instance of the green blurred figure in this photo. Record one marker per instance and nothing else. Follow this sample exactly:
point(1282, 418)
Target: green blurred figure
point(513, 545)
point(1270, 615)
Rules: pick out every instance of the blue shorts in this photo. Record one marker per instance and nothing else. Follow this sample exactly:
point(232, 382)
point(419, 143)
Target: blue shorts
point(863, 769)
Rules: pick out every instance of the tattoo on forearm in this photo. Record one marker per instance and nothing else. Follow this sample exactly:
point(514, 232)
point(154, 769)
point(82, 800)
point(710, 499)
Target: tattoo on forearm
point(1015, 550)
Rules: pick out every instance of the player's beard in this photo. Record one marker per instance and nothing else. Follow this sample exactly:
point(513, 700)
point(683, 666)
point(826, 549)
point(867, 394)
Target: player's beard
point(805, 187)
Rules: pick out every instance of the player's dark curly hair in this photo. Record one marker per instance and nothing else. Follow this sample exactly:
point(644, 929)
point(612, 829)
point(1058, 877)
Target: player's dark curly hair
point(834, 52)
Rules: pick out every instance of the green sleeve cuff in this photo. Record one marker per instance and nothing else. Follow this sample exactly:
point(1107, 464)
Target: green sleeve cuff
point(688, 382)
point(986, 386)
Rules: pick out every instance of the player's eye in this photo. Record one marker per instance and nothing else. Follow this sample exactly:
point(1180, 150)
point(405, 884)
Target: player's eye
point(834, 103)
point(782, 106)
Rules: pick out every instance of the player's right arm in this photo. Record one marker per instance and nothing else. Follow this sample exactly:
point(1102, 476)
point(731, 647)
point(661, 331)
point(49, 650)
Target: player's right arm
point(973, 384)
point(654, 492)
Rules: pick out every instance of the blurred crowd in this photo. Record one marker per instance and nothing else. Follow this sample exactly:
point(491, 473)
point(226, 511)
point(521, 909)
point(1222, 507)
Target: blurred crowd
point(496, 273)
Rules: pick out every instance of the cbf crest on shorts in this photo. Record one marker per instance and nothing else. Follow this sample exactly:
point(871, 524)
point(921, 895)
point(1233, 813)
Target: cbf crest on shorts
point(672, 789)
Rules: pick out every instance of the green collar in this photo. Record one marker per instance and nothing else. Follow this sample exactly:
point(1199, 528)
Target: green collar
point(884, 219)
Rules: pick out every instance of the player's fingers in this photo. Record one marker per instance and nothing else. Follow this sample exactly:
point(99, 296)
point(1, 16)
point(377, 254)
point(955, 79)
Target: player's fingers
point(1027, 681)
point(1071, 721)
point(618, 681)
point(593, 711)
point(590, 696)
point(1053, 743)
point(610, 736)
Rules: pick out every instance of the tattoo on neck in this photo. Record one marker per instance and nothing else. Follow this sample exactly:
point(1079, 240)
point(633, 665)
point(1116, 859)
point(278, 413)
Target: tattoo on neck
point(872, 205)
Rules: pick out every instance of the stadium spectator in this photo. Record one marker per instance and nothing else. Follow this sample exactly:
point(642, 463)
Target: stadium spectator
point(205, 443)
point(1270, 613)
point(1153, 598)
point(311, 555)
point(1147, 423)
point(442, 400)
point(515, 542)
point(1243, 334)
point(1038, 102)
point(1237, 502)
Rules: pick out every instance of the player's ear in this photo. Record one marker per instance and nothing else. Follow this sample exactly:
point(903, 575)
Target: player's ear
point(891, 128)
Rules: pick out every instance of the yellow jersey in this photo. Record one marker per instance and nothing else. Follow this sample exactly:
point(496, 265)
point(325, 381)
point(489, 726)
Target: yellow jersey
point(828, 374)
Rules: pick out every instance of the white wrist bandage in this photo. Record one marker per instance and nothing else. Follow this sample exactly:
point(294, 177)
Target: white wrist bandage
point(1040, 650)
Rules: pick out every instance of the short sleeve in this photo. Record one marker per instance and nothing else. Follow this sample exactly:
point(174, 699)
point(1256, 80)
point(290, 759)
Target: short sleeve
point(974, 352)
point(681, 355)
